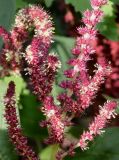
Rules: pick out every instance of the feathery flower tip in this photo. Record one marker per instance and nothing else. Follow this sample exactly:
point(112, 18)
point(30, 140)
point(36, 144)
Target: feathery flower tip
point(95, 128)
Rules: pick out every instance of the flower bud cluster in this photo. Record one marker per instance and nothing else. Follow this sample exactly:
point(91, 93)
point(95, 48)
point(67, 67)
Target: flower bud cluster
point(15, 132)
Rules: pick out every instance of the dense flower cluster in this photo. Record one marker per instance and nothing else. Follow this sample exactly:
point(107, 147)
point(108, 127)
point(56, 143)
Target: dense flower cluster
point(14, 129)
point(39, 62)
point(41, 66)
point(84, 87)
point(21, 53)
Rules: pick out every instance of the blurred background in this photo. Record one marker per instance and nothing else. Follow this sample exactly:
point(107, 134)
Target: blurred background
point(67, 16)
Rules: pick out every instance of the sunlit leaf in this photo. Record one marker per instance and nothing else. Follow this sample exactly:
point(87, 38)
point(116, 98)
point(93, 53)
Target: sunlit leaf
point(108, 27)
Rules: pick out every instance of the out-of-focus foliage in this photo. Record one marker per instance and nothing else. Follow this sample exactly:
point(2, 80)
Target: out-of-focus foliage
point(20, 4)
point(6, 149)
point(104, 147)
point(3, 88)
point(62, 47)
point(31, 116)
point(45, 154)
point(109, 27)
point(81, 5)
point(7, 11)
point(115, 1)
point(48, 3)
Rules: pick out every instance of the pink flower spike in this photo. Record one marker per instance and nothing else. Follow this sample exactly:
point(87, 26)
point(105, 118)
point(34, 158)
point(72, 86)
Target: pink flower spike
point(89, 91)
point(95, 128)
point(15, 132)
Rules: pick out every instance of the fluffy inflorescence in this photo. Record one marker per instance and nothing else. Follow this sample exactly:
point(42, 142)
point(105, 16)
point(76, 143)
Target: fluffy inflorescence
point(14, 129)
point(95, 128)
point(82, 85)
point(41, 66)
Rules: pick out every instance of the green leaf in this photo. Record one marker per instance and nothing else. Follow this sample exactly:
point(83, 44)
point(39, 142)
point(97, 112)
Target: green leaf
point(105, 147)
point(62, 47)
point(7, 12)
point(115, 1)
point(24, 3)
point(21, 4)
point(49, 153)
point(79, 5)
point(108, 9)
point(108, 27)
point(6, 149)
point(3, 88)
point(31, 116)
point(48, 3)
